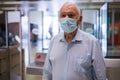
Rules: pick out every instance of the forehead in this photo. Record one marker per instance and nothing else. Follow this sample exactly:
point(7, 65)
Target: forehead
point(69, 8)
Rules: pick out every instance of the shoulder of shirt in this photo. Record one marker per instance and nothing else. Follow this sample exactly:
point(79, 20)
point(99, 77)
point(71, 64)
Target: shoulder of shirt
point(82, 34)
point(87, 36)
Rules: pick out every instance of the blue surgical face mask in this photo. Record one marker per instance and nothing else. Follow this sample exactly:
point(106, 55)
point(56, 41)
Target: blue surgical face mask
point(68, 24)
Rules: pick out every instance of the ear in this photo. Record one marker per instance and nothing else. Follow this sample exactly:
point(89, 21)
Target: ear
point(79, 21)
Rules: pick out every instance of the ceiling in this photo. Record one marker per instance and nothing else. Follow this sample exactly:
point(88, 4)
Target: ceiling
point(33, 3)
point(51, 6)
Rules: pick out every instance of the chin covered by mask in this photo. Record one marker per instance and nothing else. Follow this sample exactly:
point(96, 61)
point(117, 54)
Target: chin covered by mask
point(68, 24)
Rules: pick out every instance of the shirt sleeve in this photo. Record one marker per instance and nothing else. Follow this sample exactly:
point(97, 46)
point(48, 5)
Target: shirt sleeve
point(98, 62)
point(47, 68)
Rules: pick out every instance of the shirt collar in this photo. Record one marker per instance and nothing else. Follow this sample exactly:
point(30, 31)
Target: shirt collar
point(78, 37)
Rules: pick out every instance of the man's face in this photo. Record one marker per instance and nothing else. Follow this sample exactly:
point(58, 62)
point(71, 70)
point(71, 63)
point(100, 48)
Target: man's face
point(69, 11)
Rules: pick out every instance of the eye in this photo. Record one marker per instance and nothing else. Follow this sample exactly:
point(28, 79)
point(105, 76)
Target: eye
point(71, 15)
point(63, 15)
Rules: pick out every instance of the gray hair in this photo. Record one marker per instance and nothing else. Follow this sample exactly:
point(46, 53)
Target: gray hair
point(70, 3)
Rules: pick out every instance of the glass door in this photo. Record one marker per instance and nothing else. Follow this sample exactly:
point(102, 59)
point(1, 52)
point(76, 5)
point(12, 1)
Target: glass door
point(102, 34)
point(35, 42)
point(35, 34)
point(14, 44)
point(114, 33)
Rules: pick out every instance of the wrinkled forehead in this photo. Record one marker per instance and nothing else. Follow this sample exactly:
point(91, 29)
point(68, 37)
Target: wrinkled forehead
point(70, 8)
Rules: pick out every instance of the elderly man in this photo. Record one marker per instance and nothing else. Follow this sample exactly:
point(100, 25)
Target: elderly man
point(73, 54)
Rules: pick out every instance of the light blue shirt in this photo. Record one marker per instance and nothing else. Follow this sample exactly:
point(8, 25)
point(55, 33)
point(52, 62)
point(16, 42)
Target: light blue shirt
point(81, 59)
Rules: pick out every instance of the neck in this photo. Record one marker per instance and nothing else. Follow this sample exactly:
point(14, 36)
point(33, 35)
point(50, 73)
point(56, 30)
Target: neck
point(69, 36)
